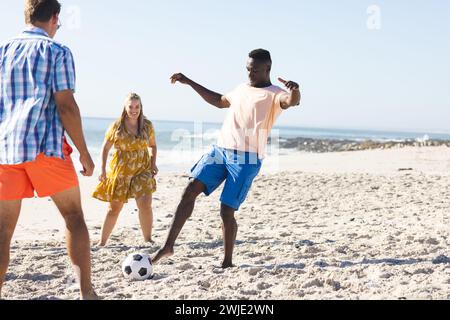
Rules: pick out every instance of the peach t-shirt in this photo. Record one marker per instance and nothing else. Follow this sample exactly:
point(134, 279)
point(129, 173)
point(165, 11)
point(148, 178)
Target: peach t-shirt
point(250, 118)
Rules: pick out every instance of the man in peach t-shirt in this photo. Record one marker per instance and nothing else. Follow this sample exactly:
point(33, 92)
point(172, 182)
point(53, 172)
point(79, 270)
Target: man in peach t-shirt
point(237, 158)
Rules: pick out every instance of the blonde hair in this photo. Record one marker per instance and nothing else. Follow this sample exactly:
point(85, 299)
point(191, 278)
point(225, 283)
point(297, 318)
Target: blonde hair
point(142, 132)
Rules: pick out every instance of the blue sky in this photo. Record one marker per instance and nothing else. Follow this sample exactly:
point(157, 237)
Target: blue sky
point(395, 78)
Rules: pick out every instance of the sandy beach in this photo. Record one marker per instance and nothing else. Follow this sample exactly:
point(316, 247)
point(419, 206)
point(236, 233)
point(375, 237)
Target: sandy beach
point(351, 225)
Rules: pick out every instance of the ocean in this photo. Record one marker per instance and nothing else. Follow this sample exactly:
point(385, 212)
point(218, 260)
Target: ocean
point(181, 144)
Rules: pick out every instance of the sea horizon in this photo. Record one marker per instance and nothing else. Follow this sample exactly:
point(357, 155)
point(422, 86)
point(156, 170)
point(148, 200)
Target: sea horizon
point(437, 133)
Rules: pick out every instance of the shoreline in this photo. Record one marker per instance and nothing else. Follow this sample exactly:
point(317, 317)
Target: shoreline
point(282, 157)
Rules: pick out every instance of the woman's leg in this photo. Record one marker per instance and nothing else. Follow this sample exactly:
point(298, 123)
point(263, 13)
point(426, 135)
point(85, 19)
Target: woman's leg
point(146, 216)
point(111, 218)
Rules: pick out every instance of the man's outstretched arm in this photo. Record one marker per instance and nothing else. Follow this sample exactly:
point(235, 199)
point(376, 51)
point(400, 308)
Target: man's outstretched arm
point(293, 98)
point(213, 98)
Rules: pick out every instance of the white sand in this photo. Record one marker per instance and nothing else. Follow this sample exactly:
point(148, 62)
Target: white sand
point(342, 225)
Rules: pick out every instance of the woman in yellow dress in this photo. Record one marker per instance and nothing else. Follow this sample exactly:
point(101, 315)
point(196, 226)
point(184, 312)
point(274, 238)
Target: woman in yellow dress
point(132, 169)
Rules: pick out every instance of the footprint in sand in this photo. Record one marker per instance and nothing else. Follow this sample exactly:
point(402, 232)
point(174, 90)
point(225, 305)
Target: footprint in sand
point(204, 284)
point(313, 283)
point(59, 266)
point(423, 271)
point(336, 285)
point(432, 241)
point(263, 286)
point(303, 243)
point(186, 266)
point(254, 271)
point(249, 292)
point(252, 254)
point(218, 270)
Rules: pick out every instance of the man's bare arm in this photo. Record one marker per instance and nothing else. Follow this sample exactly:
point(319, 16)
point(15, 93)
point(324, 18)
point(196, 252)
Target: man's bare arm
point(71, 119)
point(216, 99)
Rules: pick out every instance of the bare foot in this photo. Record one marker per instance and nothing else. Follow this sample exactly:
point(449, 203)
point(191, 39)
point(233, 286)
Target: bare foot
point(90, 296)
point(150, 241)
point(162, 253)
point(100, 244)
point(94, 243)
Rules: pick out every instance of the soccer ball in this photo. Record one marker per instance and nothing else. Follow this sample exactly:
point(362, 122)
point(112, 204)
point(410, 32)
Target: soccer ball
point(137, 266)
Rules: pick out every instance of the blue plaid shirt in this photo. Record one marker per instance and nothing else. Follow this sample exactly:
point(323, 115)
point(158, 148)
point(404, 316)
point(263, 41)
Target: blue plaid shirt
point(32, 68)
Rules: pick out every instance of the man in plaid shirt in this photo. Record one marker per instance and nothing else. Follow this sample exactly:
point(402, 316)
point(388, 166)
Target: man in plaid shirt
point(37, 82)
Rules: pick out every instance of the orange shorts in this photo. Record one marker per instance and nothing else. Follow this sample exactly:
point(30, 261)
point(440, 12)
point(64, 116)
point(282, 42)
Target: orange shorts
point(45, 175)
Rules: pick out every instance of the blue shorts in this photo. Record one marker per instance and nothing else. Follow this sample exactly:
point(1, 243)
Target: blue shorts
point(236, 168)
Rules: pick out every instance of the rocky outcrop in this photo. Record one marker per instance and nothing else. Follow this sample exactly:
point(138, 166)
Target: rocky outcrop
point(331, 145)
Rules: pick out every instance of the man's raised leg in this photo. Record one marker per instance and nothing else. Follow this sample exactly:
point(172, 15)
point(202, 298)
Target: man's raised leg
point(77, 238)
point(9, 214)
point(184, 211)
point(229, 229)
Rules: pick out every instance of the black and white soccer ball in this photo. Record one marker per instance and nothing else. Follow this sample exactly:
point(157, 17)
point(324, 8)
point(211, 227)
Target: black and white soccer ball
point(137, 267)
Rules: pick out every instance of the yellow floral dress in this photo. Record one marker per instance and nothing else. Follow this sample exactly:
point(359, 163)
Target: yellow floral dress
point(130, 175)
